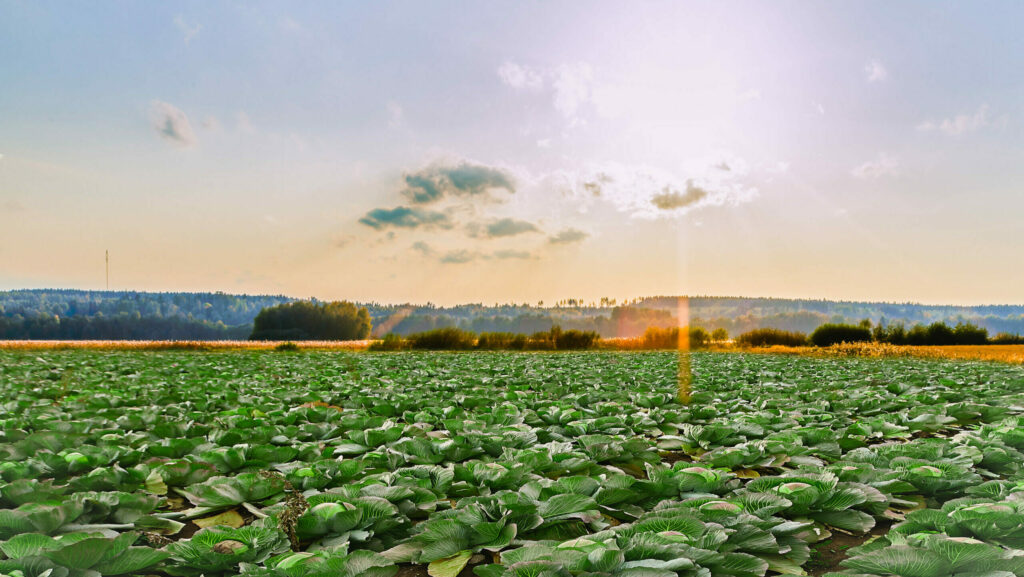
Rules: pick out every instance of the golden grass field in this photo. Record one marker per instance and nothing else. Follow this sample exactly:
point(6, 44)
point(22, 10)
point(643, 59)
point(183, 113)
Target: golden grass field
point(182, 345)
point(1001, 353)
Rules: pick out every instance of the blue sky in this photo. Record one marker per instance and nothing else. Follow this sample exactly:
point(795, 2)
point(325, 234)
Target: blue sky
point(522, 151)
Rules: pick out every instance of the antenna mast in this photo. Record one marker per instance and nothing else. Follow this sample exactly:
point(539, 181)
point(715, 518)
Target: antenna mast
point(108, 269)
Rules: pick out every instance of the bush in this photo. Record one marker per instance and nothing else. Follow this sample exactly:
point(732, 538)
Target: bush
point(719, 335)
point(575, 340)
point(390, 342)
point(772, 337)
point(833, 334)
point(895, 334)
point(446, 339)
point(940, 334)
point(1007, 339)
point(969, 334)
point(287, 347)
point(659, 338)
point(501, 341)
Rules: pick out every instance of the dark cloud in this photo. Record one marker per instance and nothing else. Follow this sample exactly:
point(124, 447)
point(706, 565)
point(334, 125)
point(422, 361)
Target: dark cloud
point(405, 217)
point(423, 248)
point(464, 179)
point(502, 227)
point(671, 199)
point(13, 206)
point(512, 254)
point(172, 124)
point(458, 257)
point(568, 236)
point(595, 186)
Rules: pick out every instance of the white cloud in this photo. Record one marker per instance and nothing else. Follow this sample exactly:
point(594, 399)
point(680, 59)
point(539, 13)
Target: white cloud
point(959, 124)
point(884, 165)
point(649, 192)
point(211, 123)
point(874, 71)
point(573, 86)
point(243, 123)
point(172, 124)
point(396, 115)
point(544, 143)
point(749, 95)
point(188, 31)
point(520, 77)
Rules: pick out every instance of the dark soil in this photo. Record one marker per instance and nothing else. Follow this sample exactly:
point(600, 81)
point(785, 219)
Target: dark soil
point(421, 570)
point(827, 555)
point(669, 457)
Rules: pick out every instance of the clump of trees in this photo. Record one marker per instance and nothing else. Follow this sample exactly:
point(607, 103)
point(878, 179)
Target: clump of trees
point(306, 320)
point(938, 334)
point(453, 339)
point(676, 338)
point(772, 337)
point(833, 334)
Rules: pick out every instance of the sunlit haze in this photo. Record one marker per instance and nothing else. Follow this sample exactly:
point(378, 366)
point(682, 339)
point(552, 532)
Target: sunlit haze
point(515, 151)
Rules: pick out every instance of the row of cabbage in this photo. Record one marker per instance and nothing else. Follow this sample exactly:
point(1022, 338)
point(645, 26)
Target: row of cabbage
point(577, 464)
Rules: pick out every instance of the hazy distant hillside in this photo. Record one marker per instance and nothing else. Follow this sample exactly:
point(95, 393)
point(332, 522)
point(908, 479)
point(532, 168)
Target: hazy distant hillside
point(75, 314)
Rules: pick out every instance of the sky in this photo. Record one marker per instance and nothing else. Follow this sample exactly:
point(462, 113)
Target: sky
point(454, 152)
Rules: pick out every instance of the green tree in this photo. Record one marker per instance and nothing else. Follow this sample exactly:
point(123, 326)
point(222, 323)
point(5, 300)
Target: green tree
point(305, 320)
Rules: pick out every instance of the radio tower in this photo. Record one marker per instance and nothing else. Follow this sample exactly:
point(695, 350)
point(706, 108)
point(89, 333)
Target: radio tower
point(108, 269)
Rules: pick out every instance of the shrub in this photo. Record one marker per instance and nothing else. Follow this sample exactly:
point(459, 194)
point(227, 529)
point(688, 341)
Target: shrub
point(719, 335)
point(501, 341)
point(576, 340)
point(970, 334)
point(940, 334)
point(287, 347)
point(1007, 339)
point(445, 339)
point(390, 342)
point(659, 338)
point(772, 337)
point(833, 334)
point(895, 334)
point(669, 338)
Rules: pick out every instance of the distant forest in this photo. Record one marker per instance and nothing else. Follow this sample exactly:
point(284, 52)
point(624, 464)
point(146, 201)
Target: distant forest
point(76, 315)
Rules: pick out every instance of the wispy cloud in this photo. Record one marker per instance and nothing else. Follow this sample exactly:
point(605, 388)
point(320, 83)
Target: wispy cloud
point(571, 86)
point(650, 192)
point(13, 206)
point(172, 124)
point(874, 71)
point(396, 115)
point(243, 123)
point(520, 77)
point(461, 256)
point(188, 31)
point(405, 217)
point(568, 236)
point(958, 124)
point(884, 165)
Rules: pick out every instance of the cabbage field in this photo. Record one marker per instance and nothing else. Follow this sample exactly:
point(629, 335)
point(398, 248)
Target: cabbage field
point(507, 465)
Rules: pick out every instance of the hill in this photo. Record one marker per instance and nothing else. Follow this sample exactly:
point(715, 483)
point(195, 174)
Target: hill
point(78, 314)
